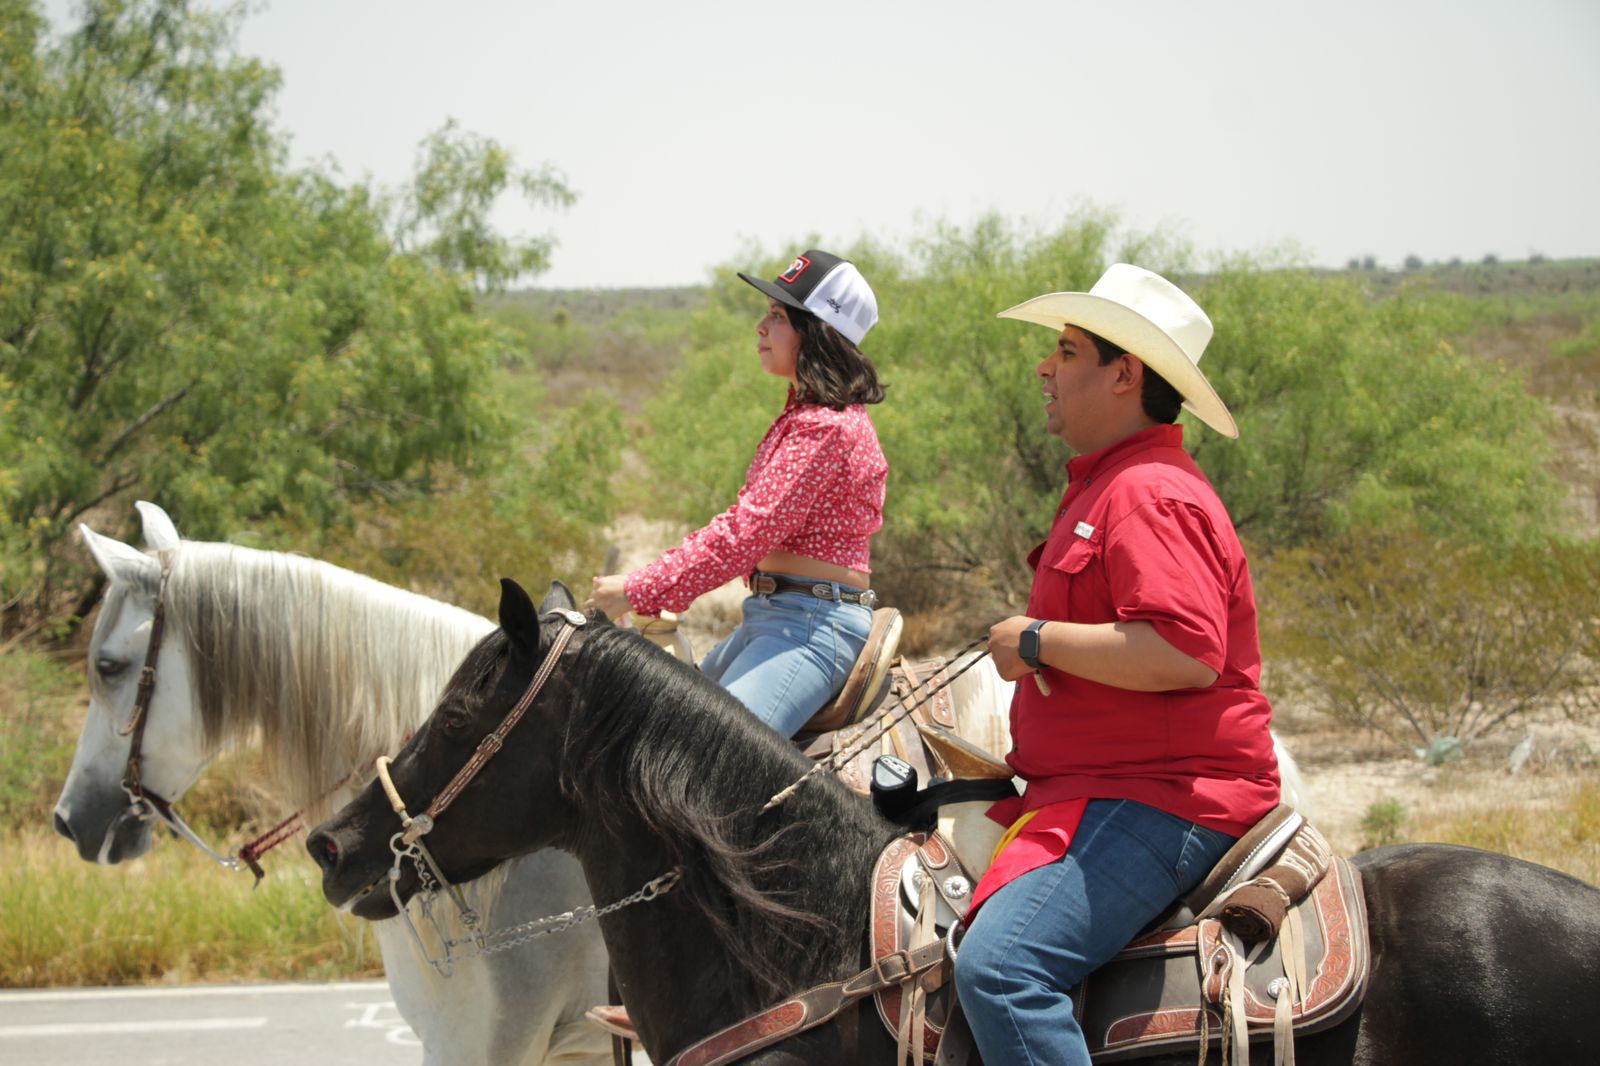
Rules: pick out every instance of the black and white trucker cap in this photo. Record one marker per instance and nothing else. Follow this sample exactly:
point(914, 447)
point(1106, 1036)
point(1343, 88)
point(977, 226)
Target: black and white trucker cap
point(828, 287)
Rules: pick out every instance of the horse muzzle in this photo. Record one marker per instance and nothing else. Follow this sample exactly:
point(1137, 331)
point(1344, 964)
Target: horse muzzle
point(120, 835)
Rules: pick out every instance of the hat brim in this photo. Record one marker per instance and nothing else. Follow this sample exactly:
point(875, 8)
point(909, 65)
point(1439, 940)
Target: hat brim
point(1139, 337)
point(770, 289)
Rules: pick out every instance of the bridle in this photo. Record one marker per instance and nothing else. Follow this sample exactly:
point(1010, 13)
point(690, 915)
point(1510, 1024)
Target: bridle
point(407, 845)
point(143, 804)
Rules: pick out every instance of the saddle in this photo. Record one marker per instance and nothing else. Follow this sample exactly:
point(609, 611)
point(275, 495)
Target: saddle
point(1272, 943)
point(1188, 984)
point(868, 679)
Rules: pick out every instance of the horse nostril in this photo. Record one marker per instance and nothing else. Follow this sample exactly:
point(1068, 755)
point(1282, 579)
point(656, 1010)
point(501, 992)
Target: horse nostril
point(324, 850)
point(63, 828)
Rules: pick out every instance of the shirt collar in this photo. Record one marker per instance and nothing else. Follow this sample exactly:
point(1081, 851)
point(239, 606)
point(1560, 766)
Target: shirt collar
point(1158, 436)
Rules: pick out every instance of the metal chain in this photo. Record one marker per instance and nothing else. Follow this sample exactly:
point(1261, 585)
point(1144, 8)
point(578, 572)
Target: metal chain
point(517, 935)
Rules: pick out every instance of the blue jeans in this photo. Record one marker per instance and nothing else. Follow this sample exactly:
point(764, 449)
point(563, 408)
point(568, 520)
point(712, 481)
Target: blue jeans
point(1044, 932)
point(790, 655)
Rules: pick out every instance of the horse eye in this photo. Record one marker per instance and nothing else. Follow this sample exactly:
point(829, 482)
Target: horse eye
point(453, 721)
point(110, 668)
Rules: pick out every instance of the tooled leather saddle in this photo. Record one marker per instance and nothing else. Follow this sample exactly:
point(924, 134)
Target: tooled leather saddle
point(1272, 943)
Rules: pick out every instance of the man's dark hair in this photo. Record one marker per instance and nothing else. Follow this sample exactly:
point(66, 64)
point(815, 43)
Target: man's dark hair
point(830, 369)
point(1160, 401)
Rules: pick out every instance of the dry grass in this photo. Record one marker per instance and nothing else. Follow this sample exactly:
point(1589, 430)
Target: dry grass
point(172, 917)
point(1547, 812)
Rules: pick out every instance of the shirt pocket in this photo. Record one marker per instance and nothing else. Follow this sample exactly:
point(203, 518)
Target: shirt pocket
point(1077, 578)
point(1078, 554)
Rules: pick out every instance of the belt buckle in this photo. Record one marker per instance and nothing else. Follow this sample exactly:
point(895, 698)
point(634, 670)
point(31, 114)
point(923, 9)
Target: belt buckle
point(823, 591)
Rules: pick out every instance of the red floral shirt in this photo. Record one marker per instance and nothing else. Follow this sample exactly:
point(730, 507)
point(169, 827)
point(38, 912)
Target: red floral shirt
point(815, 488)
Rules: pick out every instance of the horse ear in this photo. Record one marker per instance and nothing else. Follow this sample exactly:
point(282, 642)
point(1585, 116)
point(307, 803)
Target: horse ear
point(159, 532)
point(121, 563)
point(518, 617)
point(559, 598)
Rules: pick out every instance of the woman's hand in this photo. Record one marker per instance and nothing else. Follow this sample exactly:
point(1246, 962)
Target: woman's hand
point(610, 596)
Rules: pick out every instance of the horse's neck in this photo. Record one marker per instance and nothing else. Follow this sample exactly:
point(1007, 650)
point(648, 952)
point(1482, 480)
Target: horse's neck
point(342, 666)
point(671, 962)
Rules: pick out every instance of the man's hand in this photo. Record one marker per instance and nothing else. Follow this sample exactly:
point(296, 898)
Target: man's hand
point(610, 596)
point(1003, 647)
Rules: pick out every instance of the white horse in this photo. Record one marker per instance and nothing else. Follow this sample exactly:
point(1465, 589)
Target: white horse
point(329, 669)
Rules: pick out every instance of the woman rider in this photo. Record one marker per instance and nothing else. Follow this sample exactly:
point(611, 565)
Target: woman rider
point(800, 528)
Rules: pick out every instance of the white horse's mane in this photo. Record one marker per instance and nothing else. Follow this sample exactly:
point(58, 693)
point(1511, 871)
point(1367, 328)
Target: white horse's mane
point(330, 667)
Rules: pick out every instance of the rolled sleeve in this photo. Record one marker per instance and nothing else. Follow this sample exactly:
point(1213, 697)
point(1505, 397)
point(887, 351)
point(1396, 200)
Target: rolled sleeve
point(775, 501)
point(1166, 568)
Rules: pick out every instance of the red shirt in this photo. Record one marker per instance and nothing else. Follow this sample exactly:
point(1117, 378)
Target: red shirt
point(815, 488)
point(1142, 536)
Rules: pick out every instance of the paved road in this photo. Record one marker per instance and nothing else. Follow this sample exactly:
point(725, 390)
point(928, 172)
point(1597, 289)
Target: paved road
point(204, 1025)
point(207, 1025)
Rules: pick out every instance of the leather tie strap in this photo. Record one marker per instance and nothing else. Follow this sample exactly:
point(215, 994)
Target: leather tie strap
point(808, 1009)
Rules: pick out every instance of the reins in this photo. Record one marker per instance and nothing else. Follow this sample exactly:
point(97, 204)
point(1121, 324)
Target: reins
point(408, 844)
point(885, 722)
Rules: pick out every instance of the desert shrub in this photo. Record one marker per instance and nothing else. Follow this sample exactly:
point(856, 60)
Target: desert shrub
point(1421, 639)
point(537, 516)
point(1382, 823)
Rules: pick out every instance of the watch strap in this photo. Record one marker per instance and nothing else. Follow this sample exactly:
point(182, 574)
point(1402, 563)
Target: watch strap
point(1030, 644)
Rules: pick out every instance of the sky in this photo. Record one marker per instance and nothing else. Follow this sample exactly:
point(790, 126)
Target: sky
point(702, 133)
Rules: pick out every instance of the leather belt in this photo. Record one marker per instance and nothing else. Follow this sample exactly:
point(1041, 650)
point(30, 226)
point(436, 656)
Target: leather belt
point(766, 584)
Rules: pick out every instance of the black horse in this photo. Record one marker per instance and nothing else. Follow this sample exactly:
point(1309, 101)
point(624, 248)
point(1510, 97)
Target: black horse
point(637, 765)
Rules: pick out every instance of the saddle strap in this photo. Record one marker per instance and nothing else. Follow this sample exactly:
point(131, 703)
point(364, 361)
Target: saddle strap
point(808, 1009)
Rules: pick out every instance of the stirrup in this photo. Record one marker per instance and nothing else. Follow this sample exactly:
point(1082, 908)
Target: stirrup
point(614, 1020)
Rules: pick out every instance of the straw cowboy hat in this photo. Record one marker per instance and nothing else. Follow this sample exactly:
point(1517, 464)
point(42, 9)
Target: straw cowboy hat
point(1149, 317)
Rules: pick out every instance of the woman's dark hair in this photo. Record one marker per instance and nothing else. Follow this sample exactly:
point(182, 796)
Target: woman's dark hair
point(1160, 401)
point(830, 369)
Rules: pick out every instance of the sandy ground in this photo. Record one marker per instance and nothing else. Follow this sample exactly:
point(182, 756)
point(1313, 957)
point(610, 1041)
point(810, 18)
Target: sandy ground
point(1346, 774)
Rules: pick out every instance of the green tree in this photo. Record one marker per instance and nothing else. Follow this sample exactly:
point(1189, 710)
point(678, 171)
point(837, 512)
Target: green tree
point(184, 318)
point(1356, 413)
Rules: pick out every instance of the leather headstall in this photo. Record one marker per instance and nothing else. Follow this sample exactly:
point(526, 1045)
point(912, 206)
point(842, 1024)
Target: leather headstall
point(423, 823)
point(144, 804)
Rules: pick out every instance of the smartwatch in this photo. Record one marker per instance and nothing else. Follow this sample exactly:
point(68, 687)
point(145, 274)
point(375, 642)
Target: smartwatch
point(1028, 644)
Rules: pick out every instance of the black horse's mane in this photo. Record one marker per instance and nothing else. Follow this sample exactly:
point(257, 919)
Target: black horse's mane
point(650, 740)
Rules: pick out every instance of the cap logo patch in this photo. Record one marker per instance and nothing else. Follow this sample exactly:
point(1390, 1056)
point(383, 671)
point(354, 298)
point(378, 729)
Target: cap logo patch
point(796, 268)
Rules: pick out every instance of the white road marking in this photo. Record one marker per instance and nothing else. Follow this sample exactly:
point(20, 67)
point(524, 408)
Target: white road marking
point(128, 1028)
point(69, 994)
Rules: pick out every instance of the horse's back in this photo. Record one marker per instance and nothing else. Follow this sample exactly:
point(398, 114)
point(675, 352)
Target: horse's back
point(1477, 957)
